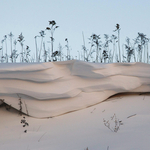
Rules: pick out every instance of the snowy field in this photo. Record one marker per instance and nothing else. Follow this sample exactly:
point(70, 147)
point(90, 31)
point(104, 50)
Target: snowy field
point(75, 105)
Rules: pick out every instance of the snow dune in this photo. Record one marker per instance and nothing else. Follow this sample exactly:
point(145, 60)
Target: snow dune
point(55, 88)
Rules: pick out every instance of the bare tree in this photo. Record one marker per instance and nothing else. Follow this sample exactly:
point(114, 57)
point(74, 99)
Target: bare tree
point(141, 42)
point(52, 29)
point(68, 50)
point(27, 54)
point(106, 54)
point(2, 49)
point(42, 34)
point(96, 42)
point(129, 50)
point(45, 52)
point(84, 48)
point(60, 51)
point(10, 36)
point(118, 29)
point(36, 47)
point(113, 38)
point(21, 40)
point(6, 55)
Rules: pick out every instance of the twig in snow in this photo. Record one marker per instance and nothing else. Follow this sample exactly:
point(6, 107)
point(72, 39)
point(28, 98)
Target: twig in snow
point(26, 108)
point(38, 129)
point(131, 116)
point(116, 123)
point(20, 105)
point(41, 137)
point(93, 110)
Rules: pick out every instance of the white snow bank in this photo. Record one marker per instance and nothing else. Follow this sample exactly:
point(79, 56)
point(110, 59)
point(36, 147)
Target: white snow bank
point(55, 88)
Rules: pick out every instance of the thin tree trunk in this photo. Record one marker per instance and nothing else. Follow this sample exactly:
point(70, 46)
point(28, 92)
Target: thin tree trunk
point(11, 46)
point(113, 49)
point(22, 54)
point(119, 45)
point(89, 52)
point(6, 51)
point(40, 48)
point(123, 51)
point(79, 55)
point(141, 52)
point(97, 54)
point(52, 45)
point(45, 54)
point(15, 55)
point(147, 54)
point(84, 45)
point(2, 54)
point(36, 50)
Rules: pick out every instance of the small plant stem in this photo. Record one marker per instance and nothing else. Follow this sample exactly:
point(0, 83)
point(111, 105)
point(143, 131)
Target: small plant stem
point(52, 44)
point(26, 108)
point(119, 45)
point(147, 54)
point(41, 137)
point(6, 50)
point(36, 48)
point(40, 48)
point(131, 116)
point(83, 44)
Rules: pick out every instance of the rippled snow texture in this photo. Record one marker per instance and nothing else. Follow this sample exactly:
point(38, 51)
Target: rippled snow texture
point(54, 88)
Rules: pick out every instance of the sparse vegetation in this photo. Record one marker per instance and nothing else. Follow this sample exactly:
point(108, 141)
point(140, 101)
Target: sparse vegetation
point(20, 105)
point(7, 107)
point(52, 28)
point(113, 124)
point(25, 124)
point(107, 51)
point(23, 120)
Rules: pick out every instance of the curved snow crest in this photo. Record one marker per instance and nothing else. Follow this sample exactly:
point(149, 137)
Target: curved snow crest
point(54, 88)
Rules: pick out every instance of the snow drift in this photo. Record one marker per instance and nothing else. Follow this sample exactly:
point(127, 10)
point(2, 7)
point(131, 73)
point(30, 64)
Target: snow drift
point(54, 88)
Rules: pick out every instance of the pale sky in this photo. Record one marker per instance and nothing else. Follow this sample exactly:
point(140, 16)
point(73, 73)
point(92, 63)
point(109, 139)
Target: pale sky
point(73, 17)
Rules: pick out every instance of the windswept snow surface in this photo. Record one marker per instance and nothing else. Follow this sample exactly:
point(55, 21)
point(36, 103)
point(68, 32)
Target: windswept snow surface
point(55, 88)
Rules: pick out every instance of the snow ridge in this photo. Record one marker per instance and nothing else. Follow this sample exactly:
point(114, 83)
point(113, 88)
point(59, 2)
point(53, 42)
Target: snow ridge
point(54, 88)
